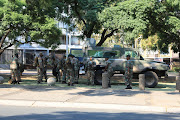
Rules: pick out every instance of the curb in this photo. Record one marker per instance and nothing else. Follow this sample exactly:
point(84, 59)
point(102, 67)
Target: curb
point(89, 105)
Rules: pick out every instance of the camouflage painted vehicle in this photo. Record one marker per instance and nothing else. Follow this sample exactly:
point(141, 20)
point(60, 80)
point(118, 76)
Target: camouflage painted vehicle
point(117, 55)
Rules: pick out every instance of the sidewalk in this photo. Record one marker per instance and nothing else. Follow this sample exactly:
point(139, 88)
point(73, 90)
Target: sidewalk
point(79, 97)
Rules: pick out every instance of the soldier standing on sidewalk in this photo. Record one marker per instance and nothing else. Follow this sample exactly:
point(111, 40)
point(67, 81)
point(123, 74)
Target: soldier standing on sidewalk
point(76, 69)
point(70, 70)
point(45, 68)
point(63, 68)
point(109, 70)
point(128, 72)
point(15, 70)
point(39, 63)
point(91, 71)
point(56, 67)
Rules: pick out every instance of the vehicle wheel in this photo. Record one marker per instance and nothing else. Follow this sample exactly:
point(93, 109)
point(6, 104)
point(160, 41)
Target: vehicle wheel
point(98, 77)
point(151, 79)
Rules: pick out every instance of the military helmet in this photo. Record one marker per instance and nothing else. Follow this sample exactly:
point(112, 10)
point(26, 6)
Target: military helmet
point(70, 55)
point(40, 54)
point(16, 54)
point(128, 55)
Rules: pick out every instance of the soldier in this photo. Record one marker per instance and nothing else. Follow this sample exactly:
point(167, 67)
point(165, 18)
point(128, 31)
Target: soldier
point(128, 72)
point(63, 68)
point(56, 67)
point(109, 70)
point(45, 68)
point(76, 68)
point(90, 71)
point(39, 63)
point(15, 72)
point(70, 70)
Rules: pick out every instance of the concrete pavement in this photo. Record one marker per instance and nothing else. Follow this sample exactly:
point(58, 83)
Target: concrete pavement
point(79, 97)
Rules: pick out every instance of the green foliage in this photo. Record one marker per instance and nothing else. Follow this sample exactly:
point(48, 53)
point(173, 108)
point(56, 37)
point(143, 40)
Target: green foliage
point(85, 14)
point(151, 43)
point(31, 19)
point(176, 69)
point(146, 17)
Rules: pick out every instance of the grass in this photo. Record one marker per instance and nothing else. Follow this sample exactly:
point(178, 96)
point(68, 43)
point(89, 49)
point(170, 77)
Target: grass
point(32, 81)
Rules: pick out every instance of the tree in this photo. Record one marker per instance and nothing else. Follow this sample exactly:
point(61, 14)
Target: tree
point(31, 19)
point(84, 13)
point(146, 17)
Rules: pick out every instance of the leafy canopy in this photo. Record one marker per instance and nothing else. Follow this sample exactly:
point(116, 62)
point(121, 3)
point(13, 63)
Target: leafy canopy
point(146, 17)
point(31, 19)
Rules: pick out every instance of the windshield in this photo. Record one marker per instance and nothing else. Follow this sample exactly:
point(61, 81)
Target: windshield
point(103, 54)
point(133, 54)
point(77, 52)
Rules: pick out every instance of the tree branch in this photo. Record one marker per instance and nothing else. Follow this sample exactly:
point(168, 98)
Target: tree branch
point(78, 14)
point(2, 50)
point(103, 33)
point(103, 38)
point(4, 37)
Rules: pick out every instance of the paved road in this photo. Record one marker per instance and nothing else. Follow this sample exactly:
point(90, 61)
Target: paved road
point(38, 113)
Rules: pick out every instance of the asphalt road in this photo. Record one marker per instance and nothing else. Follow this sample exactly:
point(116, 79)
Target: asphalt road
point(37, 113)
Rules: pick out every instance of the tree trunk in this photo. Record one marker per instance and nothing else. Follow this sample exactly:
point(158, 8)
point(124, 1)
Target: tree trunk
point(4, 37)
point(2, 50)
point(104, 37)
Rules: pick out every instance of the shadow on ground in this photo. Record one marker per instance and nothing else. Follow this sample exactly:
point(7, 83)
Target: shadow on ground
point(74, 115)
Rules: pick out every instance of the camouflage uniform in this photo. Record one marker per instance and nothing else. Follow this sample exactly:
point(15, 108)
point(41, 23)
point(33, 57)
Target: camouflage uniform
point(76, 69)
point(56, 68)
point(90, 71)
point(45, 69)
point(70, 71)
point(109, 70)
point(15, 72)
point(128, 72)
point(39, 63)
point(64, 69)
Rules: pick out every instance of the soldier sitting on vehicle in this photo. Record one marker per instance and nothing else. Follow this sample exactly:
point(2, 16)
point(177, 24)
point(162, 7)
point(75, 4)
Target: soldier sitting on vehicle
point(109, 70)
point(128, 72)
point(91, 71)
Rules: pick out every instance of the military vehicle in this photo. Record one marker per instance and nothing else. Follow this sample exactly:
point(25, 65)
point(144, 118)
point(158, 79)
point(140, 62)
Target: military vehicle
point(117, 55)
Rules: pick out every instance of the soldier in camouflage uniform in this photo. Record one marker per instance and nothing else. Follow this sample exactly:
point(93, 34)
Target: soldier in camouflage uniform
point(15, 70)
point(70, 70)
point(39, 63)
point(56, 67)
point(91, 71)
point(76, 64)
point(108, 70)
point(63, 68)
point(128, 72)
point(45, 68)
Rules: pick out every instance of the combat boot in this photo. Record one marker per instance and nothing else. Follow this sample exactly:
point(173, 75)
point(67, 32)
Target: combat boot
point(13, 82)
point(76, 82)
point(68, 83)
point(128, 87)
point(17, 82)
point(63, 82)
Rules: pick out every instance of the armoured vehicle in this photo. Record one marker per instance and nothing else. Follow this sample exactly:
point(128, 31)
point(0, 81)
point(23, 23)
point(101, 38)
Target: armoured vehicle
point(153, 70)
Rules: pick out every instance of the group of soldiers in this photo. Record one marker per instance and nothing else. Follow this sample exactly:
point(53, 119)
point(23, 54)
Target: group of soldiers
point(70, 69)
point(90, 67)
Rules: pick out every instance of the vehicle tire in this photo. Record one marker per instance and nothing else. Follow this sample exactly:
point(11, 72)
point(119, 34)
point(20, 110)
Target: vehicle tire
point(98, 77)
point(151, 79)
